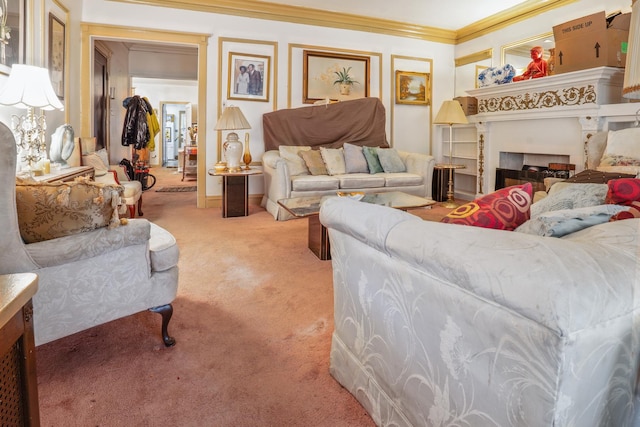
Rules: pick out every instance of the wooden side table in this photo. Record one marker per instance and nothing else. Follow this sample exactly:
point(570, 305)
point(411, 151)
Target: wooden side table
point(19, 391)
point(235, 191)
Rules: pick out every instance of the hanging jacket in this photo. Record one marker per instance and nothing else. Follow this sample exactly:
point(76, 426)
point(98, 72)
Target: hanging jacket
point(154, 125)
point(136, 126)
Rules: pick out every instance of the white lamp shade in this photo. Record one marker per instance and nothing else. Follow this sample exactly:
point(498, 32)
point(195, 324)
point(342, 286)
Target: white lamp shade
point(232, 119)
point(29, 86)
point(631, 85)
point(450, 114)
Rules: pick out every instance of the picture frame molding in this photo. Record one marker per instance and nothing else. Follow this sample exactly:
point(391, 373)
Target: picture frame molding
point(399, 99)
point(310, 97)
point(232, 75)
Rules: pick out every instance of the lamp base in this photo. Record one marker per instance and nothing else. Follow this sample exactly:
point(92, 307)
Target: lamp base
point(450, 204)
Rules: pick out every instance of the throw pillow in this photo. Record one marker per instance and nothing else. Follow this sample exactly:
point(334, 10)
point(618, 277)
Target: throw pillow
point(504, 209)
point(633, 211)
point(354, 159)
point(291, 155)
point(50, 210)
point(333, 160)
point(95, 161)
point(570, 196)
point(314, 162)
point(390, 160)
point(373, 162)
point(622, 148)
point(566, 221)
point(623, 191)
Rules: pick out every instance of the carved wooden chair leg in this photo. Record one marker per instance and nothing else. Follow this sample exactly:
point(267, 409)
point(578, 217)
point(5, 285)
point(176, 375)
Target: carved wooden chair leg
point(166, 311)
point(132, 211)
point(140, 206)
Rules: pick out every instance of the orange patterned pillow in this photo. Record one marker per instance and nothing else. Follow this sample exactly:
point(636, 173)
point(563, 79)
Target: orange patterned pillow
point(504, 209)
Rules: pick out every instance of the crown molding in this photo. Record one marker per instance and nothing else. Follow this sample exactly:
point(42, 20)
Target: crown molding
point(511, 16)
point(324, 18)
point(308, 16)
point(474, 57)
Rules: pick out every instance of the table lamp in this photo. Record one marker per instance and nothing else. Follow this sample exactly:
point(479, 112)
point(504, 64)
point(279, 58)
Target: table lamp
point(29, 87)
point(233, 119)
point(450, 113)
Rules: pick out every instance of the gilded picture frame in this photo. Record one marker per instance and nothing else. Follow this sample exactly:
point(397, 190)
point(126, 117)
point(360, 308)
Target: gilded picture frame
point(412, 88)
point(13, 22)
point(248, 77)
point(57, 53)
point(322, 69)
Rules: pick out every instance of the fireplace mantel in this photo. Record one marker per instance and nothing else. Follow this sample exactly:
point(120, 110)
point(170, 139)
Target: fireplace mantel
point(552, 115)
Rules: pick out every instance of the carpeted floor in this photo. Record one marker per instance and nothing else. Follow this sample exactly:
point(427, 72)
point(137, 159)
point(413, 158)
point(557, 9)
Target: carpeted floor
point(253, 323)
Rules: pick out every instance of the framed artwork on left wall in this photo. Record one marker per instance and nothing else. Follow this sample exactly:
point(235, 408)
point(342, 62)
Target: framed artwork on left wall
point(57, 52)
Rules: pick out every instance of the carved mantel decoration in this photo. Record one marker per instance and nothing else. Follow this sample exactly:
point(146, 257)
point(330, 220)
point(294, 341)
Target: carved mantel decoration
point(594, 86)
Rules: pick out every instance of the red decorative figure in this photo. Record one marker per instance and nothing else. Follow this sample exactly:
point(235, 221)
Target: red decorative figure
point(536, 68)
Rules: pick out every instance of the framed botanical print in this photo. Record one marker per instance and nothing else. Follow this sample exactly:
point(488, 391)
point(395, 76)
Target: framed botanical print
point(248, 77)
point(329, 75)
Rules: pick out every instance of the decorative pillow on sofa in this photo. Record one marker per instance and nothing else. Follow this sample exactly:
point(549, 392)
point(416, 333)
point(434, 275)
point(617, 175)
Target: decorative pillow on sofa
point(96, 161)
point(314, 162)
point(622, 148)
point(50, 210)
point(570, 196)
point(333, 160)
point(633, 211)
point(504, 209)
point(291, 155)
point(354, 159)
point(390, 160)
point(373, 162)
point(623, 191)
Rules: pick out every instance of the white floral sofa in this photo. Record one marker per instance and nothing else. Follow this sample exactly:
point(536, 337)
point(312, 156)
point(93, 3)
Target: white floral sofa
point(97, 269)
point(441, 324)
point(321, 149)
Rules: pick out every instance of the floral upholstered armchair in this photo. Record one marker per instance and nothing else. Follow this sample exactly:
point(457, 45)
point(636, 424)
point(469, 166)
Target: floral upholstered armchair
point(92, 267)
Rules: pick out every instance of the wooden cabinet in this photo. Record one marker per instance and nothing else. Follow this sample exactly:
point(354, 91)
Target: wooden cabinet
point(189, 161)
point(18, 383)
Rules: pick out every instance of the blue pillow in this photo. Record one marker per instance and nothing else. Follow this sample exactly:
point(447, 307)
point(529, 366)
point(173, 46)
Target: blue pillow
point(390, 160)
point(371, 154)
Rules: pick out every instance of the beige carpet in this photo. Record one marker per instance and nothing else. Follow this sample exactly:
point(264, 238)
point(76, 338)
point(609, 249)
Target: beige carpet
point(253, 322)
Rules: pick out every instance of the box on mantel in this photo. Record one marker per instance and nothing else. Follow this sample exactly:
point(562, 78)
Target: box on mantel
point(591, 41)
point(469, 104)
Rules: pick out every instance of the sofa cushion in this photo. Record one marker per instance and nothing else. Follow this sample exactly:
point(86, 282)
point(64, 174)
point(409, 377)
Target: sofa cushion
point(361, 180)
point(354, 159)
point(623, 191)
point(504, 209)
point(291, 155)
point(333, 160)
point(314, 183)
point(51, 210)
point(402, 179)
point(570, 196)
point(163, 249)
point(97, 162)
point(314, 162)
point(633, 211)
point(390, 160)
point(371, 154)
point(622, 148)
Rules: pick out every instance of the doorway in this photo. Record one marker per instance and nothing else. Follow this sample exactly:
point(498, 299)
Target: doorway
point(176, 121)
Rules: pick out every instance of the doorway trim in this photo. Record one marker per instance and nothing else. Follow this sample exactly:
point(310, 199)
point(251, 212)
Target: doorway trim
point(91, 32)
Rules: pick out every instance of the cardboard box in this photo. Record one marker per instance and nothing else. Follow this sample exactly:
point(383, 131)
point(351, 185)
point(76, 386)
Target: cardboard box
point(591, 41)
point(469, 104)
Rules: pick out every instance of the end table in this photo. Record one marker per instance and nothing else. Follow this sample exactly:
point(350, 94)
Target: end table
point(235, 191)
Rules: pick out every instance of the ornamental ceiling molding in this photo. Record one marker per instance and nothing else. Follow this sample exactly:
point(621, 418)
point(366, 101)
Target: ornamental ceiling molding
point(565, 97)
point(317, 17)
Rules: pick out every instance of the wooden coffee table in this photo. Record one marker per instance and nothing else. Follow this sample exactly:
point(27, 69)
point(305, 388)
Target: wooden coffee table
point(309, 207)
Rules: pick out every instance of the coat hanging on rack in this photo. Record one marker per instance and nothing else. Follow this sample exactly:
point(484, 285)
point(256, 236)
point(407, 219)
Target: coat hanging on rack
point(136, 125)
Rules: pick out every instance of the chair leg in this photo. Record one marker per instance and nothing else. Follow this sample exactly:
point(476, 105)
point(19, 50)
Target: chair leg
point(132, 211)
point(166, 311)
point(140, 206)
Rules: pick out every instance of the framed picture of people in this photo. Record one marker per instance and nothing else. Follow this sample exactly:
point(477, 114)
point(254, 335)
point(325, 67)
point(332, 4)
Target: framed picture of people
point(248, 77)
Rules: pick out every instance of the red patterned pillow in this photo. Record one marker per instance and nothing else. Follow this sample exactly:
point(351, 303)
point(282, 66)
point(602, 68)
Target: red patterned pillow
point(633, 212)
point(504, 209)
point(623, 191)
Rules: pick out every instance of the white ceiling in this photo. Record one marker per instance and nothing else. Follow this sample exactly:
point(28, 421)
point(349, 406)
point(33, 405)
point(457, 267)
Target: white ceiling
point(444, 14)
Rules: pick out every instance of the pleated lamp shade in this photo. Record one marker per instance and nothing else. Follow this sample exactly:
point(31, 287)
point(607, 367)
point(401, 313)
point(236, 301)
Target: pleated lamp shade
point(232, 119)
point(450, 114)
point(29, 87)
